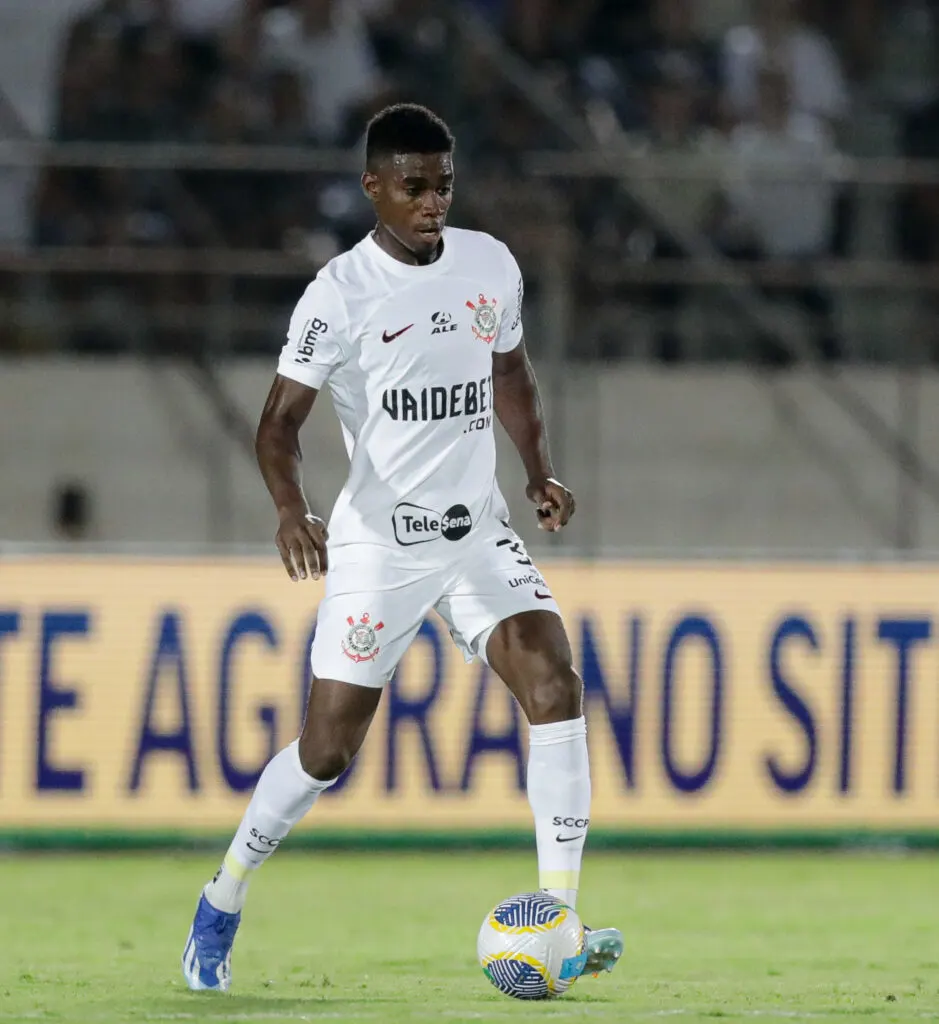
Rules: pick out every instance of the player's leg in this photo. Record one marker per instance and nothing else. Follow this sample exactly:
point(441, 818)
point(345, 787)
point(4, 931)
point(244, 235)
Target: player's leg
point(531, 654)
point(337, 720)
point(360, 637)
point(500, 609)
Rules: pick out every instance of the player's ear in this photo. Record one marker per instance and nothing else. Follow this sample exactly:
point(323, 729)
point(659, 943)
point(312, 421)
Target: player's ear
point(371, 185)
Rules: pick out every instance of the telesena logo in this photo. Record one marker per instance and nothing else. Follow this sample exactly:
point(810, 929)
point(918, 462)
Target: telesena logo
point(415, 524)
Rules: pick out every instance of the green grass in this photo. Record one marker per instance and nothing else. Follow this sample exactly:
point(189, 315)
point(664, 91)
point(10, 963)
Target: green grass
point(390, 938)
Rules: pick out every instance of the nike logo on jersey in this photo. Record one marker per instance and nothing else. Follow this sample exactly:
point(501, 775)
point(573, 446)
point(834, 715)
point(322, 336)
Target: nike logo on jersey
point(568, 839)
point(386, 337)
point(542, 597)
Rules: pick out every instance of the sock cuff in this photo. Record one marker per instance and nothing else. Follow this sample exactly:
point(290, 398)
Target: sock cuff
point(313, 785)
point(557, 732)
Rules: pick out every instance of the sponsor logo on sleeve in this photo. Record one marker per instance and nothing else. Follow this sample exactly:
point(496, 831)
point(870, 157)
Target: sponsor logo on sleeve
point(518, 307)
point(313, 331)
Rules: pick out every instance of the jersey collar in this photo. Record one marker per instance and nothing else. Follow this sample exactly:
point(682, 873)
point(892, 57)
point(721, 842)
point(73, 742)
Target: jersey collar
point(407, 269)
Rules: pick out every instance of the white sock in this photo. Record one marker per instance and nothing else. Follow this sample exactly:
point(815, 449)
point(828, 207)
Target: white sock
point(283, 796)
point(559, 794)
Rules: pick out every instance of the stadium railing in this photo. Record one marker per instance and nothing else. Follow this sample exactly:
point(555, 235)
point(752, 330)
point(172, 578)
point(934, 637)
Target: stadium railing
point(884, 307)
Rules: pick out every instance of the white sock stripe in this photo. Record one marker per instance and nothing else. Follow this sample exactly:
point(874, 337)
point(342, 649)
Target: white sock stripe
point(557, 732)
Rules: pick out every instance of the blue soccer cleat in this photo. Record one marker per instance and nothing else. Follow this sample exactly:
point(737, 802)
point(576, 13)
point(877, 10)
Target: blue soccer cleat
point(207, 957)
point(604, 948)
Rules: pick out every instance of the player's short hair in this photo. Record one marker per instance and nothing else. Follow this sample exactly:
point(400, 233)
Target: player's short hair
point(406, 128)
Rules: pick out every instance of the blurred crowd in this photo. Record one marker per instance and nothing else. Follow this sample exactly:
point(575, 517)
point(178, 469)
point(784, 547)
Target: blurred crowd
point(756, 97)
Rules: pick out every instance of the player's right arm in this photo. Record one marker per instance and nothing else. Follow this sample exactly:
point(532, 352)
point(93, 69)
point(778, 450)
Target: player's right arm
point(301, 536)
point(316, 345)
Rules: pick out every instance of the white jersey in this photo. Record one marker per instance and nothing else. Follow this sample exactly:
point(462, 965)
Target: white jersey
point(407, 354)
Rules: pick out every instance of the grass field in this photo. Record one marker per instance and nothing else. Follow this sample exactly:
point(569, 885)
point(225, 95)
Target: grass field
point(391, 938)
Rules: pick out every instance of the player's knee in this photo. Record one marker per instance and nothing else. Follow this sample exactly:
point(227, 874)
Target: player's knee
point(532, 654)
point(324, 760)
point(554, 695)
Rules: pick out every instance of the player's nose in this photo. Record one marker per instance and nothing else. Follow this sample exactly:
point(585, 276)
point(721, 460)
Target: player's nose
point(435, 205)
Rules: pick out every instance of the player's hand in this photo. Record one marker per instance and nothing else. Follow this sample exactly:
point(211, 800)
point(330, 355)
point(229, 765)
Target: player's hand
point(301, 541)
point(554, 503)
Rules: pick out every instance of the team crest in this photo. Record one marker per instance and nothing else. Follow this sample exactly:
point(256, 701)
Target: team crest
point(361, 642)
point(485, 320)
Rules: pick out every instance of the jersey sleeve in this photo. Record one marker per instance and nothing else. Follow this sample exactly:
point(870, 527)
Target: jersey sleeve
point(510, 331)
point(318, 340)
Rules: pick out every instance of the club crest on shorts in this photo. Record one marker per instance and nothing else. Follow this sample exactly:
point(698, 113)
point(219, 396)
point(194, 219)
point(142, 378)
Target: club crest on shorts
point(485, 320)
point(361, 642)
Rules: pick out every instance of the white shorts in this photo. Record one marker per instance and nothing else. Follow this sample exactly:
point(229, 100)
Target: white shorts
point(372, 610)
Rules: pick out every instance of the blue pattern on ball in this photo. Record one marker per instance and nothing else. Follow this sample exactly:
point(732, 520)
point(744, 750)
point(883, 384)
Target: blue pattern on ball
point(518, 979)
point(530, 910)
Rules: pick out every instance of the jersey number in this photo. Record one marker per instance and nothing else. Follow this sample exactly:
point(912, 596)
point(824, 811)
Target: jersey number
point(516, 549)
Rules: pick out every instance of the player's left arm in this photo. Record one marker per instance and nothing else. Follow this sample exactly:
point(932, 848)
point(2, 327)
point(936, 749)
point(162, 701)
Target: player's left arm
point(518, 407)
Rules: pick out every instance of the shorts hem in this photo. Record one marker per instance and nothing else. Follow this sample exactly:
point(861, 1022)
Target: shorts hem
point(380, 682)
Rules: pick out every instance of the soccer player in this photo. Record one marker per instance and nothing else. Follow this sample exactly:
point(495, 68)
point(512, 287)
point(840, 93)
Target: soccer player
point(417, 331)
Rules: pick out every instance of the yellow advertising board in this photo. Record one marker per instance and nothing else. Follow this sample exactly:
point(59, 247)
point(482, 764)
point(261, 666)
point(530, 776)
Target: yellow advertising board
point(142, 694)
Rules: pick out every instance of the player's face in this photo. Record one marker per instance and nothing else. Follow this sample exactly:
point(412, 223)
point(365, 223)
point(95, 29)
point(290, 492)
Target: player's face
point(412, 193)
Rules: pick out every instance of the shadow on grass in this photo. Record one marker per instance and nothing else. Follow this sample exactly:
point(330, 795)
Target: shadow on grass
point(352, 1006)
point(217, 1005)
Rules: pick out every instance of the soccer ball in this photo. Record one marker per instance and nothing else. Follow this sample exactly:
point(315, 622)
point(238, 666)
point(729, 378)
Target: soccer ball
point(532, 946)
